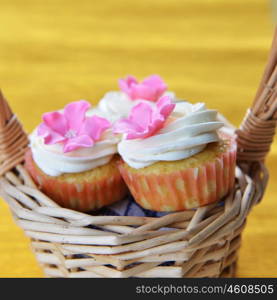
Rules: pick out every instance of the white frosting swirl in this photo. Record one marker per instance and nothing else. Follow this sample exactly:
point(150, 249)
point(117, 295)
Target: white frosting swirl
point(53, 161)
point(192, 128)
point(116, 105)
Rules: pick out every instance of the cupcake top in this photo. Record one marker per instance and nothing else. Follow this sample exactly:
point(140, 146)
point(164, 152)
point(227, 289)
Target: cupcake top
point(70, 141)
point(165, 132)
point(117, 104)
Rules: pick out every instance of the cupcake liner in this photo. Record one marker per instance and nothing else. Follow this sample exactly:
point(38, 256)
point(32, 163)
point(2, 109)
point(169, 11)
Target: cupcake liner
point(80, 195)
point(183, 189)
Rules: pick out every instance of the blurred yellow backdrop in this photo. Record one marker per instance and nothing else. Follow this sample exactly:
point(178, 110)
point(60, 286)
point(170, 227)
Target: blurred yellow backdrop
point(56, 51)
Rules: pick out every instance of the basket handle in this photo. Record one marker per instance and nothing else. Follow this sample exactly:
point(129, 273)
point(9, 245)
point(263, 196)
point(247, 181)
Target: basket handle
point(257, 130)
point(13, 140)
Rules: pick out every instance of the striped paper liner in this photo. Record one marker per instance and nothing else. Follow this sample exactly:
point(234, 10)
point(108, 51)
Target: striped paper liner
point(82, 196)
point(184, 189)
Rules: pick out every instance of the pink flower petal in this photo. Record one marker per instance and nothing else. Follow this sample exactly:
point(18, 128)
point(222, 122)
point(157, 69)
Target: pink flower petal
point(126, 126)
point(72, 128)
point(145, 120)
point(154, 80)
point(155, 127)
point(125, 84)
point(75, 112)
point(141, 114)
point(151, 88)
point(82, 141)
point(56, 121)
point(165, 106)
point(157, 84)
point(142, 91)
point(94, 127)
point(50, 137)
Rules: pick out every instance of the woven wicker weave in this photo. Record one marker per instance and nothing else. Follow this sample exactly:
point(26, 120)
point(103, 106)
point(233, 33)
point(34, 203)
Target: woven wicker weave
point(201, 243)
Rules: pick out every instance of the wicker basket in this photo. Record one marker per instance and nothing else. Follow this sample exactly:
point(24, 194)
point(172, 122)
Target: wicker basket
point(201, 243)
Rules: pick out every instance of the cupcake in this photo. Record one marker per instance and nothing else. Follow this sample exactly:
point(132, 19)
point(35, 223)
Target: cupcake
point(73, 159)
point(174, 156)
point(117, 104)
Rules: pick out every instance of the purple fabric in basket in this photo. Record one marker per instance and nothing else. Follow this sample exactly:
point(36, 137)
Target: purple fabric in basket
point(128, 207)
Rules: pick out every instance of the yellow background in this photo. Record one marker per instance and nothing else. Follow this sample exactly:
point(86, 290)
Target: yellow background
point(56, 51)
